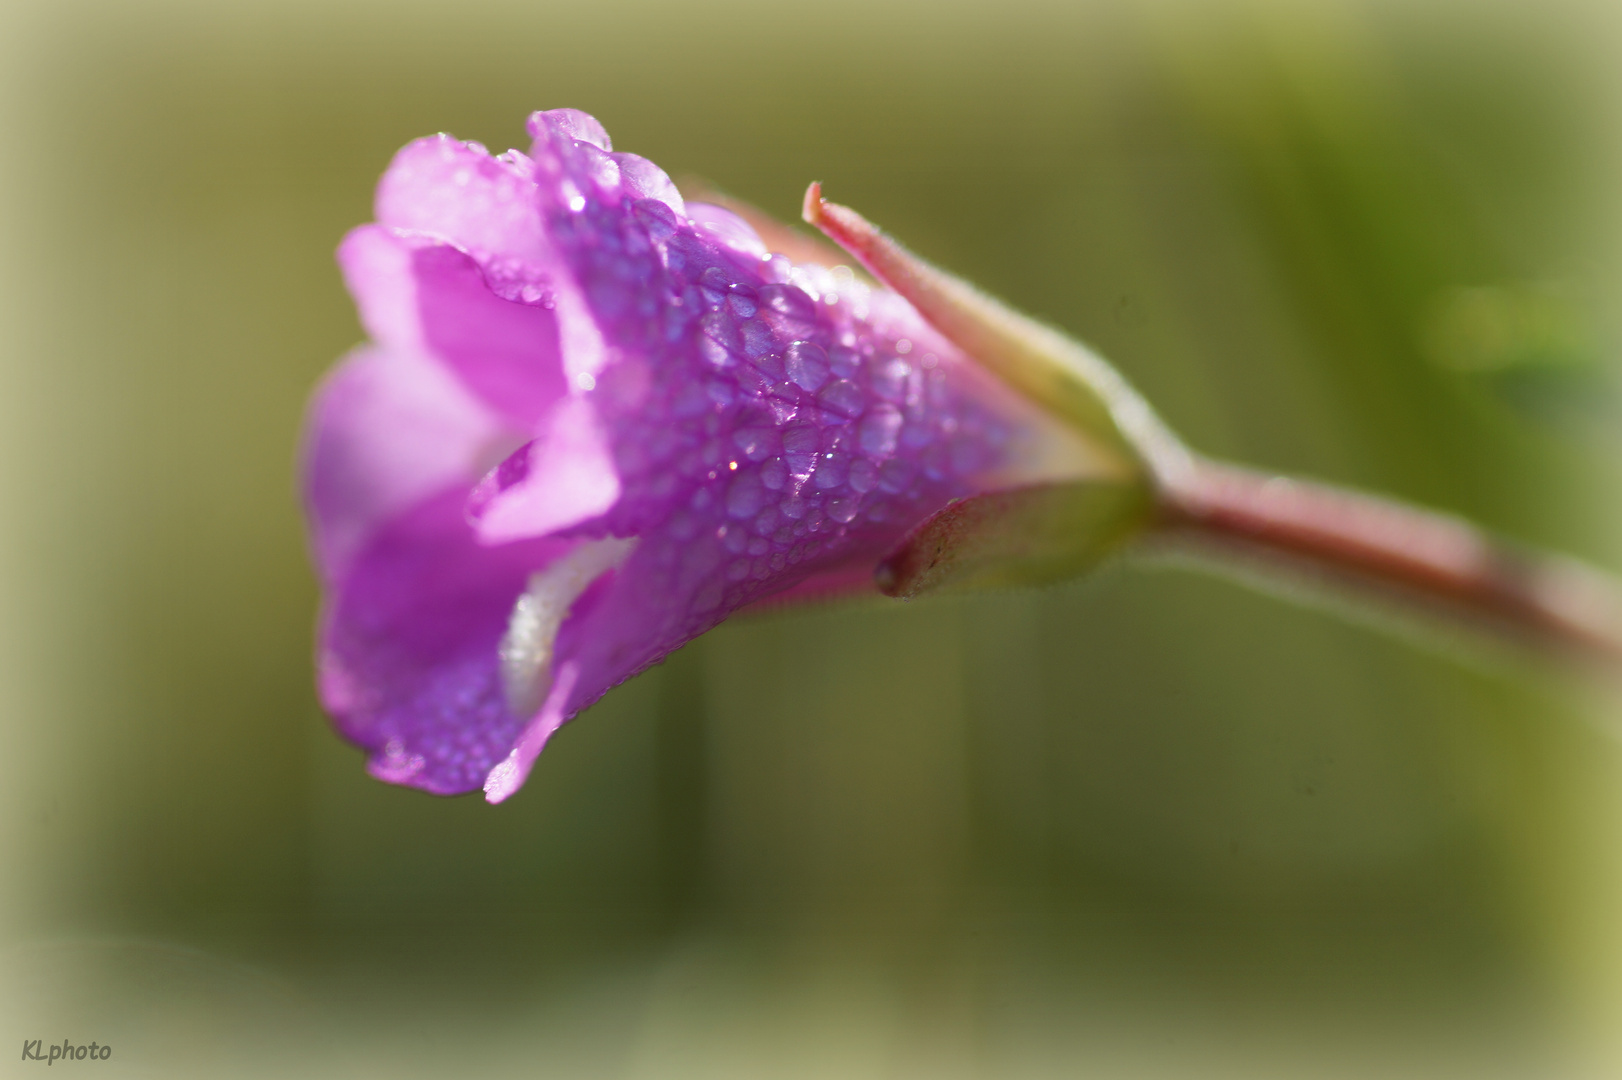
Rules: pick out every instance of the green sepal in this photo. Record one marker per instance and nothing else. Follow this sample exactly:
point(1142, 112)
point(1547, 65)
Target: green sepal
point(1031, 535)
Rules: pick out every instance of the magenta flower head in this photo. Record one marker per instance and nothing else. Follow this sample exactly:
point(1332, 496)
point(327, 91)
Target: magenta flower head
point(592, 422)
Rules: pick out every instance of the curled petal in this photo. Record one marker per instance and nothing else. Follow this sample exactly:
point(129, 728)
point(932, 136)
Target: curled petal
point(509, 775)
point(562, 479)
point(410, 647)
point(457, 192)
point(433, 299)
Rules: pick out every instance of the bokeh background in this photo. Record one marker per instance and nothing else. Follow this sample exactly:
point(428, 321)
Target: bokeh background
point(1150, 824)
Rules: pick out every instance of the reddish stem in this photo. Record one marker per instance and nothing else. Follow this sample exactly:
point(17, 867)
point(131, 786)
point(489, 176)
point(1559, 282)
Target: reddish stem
point(1402, 549)
point(1417, 553)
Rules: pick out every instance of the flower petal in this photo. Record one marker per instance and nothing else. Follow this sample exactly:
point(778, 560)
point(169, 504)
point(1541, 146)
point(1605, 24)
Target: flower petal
point(509, 775)
point(561, 479)
point(431, 298)
point(457, 192)
point(386, 430)
point(643, 179)
point(571, 124)
point(409, 663)
point(728, 228)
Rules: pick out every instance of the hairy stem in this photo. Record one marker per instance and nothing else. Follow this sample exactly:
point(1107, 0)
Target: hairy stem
point(1414, 554)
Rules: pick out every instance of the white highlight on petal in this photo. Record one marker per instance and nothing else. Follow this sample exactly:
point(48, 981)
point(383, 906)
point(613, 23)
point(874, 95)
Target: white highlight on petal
point(580, 342)
point(511, 772)
point(532, 628)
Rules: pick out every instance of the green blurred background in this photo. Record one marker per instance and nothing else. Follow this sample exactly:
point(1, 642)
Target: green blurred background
point(1150, 824)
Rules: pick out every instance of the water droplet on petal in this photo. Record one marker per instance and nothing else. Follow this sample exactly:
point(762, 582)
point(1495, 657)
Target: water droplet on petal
point(742, 300)
point(844, 361)
point(831, 469)
point(864, 475)
point(878, 430)
point(807, 365)
point(757, 443)
point(843, 509)
point(842, 398)
point(746, 496)
point(800, 450)
point(889, 380)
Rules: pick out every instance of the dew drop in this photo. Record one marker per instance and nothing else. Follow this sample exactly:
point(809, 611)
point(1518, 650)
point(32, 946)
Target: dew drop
point(806, 364)
point(745, 496)
point(714, 282)
point(843, 509)
point(656, 216)
point(714, 353)
point(771, 365)
point(878, 430)
point(889, 380)
point(757, 338)
point(831, 471)
point(844, 360)
point(742, 300)
point(842, 398)
point(896, 474)
point(864, 475)
point(757, 443)
point(800, 450)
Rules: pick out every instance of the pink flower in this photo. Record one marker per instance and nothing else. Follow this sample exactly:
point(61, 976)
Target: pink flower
point(591, 423)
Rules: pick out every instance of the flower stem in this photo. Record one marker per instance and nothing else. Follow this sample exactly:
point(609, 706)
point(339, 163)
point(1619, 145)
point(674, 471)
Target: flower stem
point(1379, 544)
point(1416, 555)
